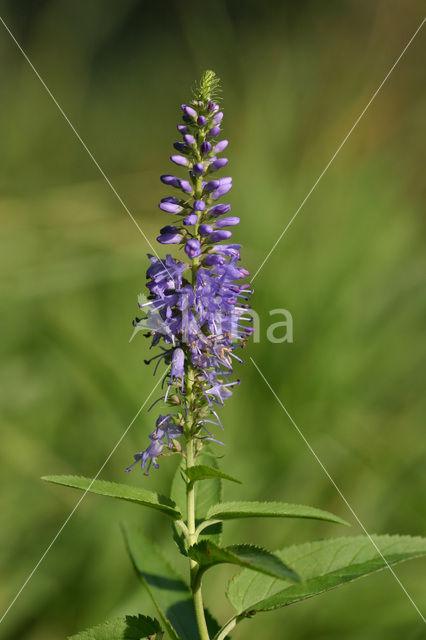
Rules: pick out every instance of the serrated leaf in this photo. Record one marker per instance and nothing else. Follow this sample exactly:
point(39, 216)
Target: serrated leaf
point(127, 628)
point(322, 565)
point(169, 593)
point(119, 491)
point(204, 472)
point(209, 554)
point(234, 510)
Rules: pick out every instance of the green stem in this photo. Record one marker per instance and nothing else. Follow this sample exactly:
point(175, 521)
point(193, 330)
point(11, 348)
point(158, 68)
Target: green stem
point(192, 538)
point(231, 624)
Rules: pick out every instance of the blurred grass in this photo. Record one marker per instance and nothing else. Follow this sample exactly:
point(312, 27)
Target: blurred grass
point(350, 270)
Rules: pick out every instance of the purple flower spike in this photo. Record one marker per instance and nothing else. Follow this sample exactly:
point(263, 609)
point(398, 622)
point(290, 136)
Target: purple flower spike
point(214, 131)
point(185, 186)
point(205, 147)
point(219, 163)
point(198, 169)
point(189, 140)
point(169, 207)
point(221, 146)
point(199, 205)
point(193, 248)
point(190, 220)
point(224, 188)
point(180, 160)
point(205, 229)
point(227, 222)
point(217, 236)
point(220, 209)
point(195, 311)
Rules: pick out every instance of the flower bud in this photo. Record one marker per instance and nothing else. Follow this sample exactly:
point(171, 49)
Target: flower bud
point(199, 205)
point(169, 238)
point(212, 185)
point(217, 236)
point(185, 186)
point(189, 140)
point(218, 163)
point(218, 118)
point(198, 169)
point(201, 120)
point(170, 207)
point(221, 146)
point(213, 260)
point(190, 220)
point(189, 111)
point(171, 181)
point(182, 128)
point(180, 146)
point(193, 248)
point(205, 229)
point(220, 209)
point(227, 222)
point(179, 160)
point(218, 193)
point(205, 148)
point(214, 131)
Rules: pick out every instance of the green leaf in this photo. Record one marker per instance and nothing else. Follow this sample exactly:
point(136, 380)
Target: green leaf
point(233, 510)
point(167, 590)
point(322, 565)
point(209, 554)
point(204, 472)
point(127, 628)
point(120, 491)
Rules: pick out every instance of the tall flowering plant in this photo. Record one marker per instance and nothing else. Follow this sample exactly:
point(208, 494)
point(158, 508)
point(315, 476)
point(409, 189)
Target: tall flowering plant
point(196, 316)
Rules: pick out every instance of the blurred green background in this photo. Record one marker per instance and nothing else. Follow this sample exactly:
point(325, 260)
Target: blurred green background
point(295, 76)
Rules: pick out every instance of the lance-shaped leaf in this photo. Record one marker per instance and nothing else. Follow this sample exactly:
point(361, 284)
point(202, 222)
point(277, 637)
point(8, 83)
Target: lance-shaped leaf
point(127, 628)
point(209, 554)
point(167, 590)
point(119, 491)
point(322, 565)
point(205, 472)
point(234, 510)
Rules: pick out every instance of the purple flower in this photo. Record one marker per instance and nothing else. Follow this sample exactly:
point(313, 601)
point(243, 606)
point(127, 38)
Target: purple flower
point(177, 369)
point(185, 186)
point(201, 120)
point(193, 248)
point(198, 168)
point(189, 111)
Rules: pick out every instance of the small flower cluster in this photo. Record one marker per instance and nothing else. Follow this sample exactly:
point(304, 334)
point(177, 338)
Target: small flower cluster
point(196, 307)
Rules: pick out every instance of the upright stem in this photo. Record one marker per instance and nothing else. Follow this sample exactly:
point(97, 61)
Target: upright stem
point(193, 566)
